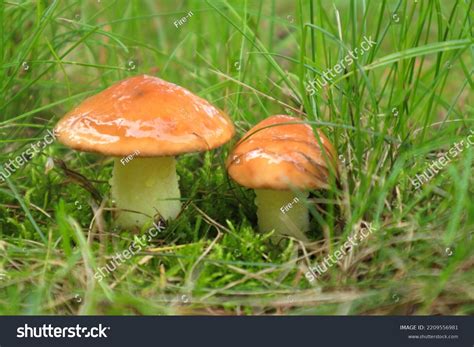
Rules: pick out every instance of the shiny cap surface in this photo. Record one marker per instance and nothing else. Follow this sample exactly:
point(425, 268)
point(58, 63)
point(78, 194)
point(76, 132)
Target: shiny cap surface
point(147, 115)
point(275, 155)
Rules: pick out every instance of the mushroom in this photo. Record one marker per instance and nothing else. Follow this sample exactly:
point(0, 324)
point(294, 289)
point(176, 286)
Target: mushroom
point(281, 159)
point(143, 122)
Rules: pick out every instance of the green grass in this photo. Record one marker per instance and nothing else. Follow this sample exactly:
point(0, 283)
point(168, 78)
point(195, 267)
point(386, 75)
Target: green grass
point(390, 114)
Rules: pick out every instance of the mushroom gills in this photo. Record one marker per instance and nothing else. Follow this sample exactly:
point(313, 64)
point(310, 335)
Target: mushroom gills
point(282, 211)
point(147, 186)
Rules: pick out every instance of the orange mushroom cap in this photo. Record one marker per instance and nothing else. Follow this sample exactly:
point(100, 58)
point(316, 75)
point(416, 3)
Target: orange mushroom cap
point(275, 155)
point(144, 114)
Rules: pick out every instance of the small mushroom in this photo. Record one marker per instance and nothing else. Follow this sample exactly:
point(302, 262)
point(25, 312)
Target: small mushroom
point(281, 158)
point(144, 122)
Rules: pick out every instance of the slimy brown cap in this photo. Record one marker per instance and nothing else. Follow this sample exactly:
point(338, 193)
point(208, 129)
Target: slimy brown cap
point(147, 115)
point(280, 156)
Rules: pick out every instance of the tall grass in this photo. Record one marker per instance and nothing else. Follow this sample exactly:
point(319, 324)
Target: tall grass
point(390, 114)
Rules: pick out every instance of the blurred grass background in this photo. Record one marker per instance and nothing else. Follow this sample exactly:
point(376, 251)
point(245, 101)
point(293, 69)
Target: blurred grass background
point(390, 114)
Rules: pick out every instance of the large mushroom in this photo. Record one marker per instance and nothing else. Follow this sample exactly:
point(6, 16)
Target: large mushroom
point(281, 158)
point(143, 122)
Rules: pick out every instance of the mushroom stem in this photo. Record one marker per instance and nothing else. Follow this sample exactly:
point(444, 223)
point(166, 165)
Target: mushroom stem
point(282, 211)
point(148, 186)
